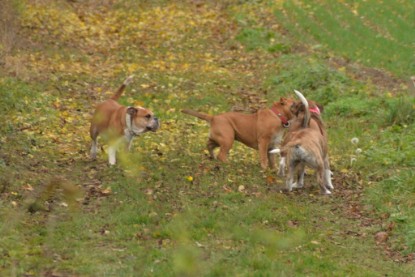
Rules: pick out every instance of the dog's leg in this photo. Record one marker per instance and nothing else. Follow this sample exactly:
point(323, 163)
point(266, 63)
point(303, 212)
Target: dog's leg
point(211, 145)
point(290, 176)
point(223, 153)
point(225, 147)
point(321, 173)
point(328, 182)
point(94, 136)
point(281, 169)
point(94, 149)
point(271, 160)
point(263, 152)
point(112, 150)
point(300, 177)
point(327, 174)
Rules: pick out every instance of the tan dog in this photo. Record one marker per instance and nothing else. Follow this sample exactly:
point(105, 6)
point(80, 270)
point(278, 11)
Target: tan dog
point(119, 123)
point(306, 144)
point(262, 130)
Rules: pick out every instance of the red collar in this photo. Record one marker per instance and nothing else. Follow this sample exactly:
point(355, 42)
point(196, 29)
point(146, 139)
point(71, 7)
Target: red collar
point(315, 110)
point(284, 119)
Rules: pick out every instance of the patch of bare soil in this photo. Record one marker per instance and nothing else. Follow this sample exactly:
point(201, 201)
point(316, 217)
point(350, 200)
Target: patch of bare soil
point(381, 79)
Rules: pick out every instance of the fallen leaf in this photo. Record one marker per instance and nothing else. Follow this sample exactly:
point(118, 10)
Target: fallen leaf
point(227, 189)
point(106, 191)
point(270, 179)
point(28, 187)
point(292, 223)
point(381, 237)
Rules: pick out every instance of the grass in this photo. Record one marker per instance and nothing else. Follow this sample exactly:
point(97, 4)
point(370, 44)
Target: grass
point(374, 36)
point(260, 38)
point(310, 75)
point(166, 209)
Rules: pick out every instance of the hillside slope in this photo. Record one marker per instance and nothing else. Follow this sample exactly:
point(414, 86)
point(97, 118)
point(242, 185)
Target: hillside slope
point(166, 209)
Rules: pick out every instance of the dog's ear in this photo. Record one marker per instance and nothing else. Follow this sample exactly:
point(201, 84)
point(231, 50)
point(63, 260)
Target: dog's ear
point(320, 107)
point(132, 111)
point(296, 108)
point(283, 101)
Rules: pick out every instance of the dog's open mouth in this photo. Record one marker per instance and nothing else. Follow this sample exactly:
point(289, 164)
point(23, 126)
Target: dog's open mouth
point(152, 128)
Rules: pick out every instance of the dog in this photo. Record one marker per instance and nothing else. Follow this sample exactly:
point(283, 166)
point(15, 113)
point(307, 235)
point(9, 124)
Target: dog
point(305, 144)
point(262, 130)
point(120, 124)
point(295, 109)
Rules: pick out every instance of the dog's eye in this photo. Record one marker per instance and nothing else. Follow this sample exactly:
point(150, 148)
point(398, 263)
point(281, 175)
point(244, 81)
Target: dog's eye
point(148, 116)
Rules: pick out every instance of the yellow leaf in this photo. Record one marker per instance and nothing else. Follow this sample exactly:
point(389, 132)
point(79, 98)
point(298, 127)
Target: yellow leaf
point(106, 191)
point(342, 69)
point(28, 187)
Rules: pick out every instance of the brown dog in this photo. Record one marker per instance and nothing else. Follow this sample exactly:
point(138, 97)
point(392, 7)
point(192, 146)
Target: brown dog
point(262, 130)
point(306, 144)
point(119, 123)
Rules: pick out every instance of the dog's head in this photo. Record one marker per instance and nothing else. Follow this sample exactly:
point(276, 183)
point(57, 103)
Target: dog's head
point(142, 120)
point(284, 106)
point(298, 107)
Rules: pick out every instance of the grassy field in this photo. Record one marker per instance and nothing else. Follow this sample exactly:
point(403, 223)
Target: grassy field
point(373, 33)
point(166, 209)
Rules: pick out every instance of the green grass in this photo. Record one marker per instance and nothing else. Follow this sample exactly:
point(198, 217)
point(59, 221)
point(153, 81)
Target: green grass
point(260, 38)
point(375, 35)
point(393, 197)
point(168, 210)
point(311, 76)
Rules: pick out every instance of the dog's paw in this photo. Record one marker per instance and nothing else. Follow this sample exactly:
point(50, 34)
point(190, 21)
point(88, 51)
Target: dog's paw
point(326, 192)
point(297, 185)
point(289, 186)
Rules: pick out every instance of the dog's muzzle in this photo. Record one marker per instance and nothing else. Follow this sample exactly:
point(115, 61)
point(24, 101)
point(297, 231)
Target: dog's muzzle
point(154, 126)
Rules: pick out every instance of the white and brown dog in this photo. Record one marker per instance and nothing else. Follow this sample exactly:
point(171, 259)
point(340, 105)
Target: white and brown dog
point(305, 144)
point(120, 124)
point(262, 130)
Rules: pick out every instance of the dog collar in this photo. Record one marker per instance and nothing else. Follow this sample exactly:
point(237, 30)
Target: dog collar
point(315, 110)
point(129, 123)
point(284, 120)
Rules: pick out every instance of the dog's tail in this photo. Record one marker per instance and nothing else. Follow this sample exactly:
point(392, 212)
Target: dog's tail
point(122, 87)
point(307, 115)
point(204, 116)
